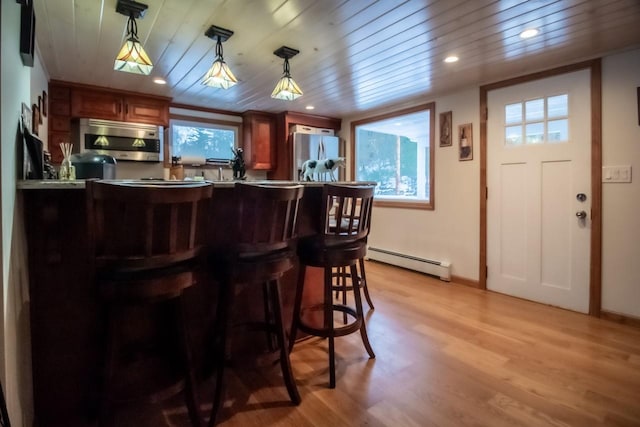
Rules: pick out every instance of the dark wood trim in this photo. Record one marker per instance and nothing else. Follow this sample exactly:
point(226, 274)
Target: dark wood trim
point(638, 90)
point(595, 273)
point(465, 281)
point(205, 109)
point(620, 318)
point(595, 279)
point(205, 120)
point(106, 89)
point(313, 120)
point(431, 106)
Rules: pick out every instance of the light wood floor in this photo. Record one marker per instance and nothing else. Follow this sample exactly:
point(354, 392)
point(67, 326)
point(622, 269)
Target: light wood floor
point(447, 355)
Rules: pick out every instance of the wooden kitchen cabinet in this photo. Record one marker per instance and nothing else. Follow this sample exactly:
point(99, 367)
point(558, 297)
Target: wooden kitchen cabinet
point(259, 134)
point(141, 109)
point(59, 120)
point(96, 105)
point(105, 105)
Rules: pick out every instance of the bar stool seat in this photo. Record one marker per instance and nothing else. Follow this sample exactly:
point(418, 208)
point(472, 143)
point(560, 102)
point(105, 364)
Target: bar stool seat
point(264, 228)
point(147, 240)
point(336, 247)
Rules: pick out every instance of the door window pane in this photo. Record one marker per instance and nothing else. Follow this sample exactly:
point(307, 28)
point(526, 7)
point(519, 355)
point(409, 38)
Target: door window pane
point(534, 109)
point(535, 133)
point(513, 135)
point(558, 130)
point(558, 106)
point(513, 113)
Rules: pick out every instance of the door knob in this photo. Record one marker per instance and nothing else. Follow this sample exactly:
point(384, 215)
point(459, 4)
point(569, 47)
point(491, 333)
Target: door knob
point(581, 214)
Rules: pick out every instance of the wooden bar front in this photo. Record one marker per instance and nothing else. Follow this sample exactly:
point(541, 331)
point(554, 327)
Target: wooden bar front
point(67, 327)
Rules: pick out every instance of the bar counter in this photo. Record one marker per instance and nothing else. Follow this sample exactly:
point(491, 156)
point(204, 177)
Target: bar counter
point(67, 328)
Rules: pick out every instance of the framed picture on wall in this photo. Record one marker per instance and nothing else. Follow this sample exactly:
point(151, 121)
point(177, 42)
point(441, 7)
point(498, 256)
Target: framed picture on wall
point(45, 101)
point(35, 119)
point(26, 117)
point(465, 141)
point(445, 129)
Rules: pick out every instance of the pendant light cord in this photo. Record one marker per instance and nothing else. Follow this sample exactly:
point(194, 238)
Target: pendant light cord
point(132, 28)
point(286, 68)
point(219, 49)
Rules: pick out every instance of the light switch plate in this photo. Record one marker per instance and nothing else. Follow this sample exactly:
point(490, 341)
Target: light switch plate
point(616, 174)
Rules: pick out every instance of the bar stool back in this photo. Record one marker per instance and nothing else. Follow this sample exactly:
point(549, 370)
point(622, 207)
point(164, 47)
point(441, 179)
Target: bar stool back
point(146, 240)
point(264, 228)
point(342, 242)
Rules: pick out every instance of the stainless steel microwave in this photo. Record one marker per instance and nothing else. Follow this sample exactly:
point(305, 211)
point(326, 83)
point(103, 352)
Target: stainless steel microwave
point(124, 141)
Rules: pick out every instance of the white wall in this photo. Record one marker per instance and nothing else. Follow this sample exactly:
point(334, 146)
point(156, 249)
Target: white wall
point(15, 89)
point(451, 231)
point(621, 202)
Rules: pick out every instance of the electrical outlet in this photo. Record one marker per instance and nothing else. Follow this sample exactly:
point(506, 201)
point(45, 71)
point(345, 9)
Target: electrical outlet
point(616, 174)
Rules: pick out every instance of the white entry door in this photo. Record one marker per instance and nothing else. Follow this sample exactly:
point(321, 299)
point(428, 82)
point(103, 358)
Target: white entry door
point(539, 190)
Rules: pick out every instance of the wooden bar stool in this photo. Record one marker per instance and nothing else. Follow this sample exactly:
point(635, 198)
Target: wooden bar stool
point(146, 240)
point(342, 242)
point(264, 228)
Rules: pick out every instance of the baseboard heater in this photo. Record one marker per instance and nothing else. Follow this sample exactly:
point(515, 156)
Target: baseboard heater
point(442, 269)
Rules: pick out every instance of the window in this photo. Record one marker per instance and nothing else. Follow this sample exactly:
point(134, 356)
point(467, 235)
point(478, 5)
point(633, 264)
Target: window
point(396, 151)
point(213, 141)
point(537, 121)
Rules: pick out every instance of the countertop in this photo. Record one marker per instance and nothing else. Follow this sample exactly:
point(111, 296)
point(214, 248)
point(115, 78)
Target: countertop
point(79, 184)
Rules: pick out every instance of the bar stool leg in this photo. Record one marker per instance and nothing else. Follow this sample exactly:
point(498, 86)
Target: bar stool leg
point(109, 366)
point(191, 386)
point(363, 281)
point(297, 305)
point(285, 363)
point(220, 345)
point(360, 313)
point(268, 316)
point(328, 325)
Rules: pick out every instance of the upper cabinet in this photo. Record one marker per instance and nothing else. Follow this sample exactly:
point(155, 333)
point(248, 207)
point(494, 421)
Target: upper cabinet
point(97, 104)
point(259, 137)
point(68, 101)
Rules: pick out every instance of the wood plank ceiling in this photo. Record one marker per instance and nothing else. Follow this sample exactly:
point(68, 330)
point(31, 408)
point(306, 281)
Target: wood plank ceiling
point(355, 55)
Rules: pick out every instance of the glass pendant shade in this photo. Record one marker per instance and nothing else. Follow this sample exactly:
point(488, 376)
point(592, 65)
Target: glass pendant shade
point(219, 75)
point(132, 58)
point(286, 89)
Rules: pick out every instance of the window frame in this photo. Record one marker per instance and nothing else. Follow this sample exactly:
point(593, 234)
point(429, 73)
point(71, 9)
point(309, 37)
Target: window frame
point(207, 122)
point(407, 204)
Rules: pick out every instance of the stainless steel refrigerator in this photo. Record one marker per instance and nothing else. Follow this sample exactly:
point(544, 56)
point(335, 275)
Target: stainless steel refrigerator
point(315, 144)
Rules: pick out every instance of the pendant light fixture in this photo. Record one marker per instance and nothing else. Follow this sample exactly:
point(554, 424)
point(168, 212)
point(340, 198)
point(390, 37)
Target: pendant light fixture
point(219, 75)
point(286, 88)
point(132, 58)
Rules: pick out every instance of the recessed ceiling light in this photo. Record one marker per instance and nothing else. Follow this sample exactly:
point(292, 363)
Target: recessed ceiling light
point(450, 59)
point(159, 81)
point(309, 107)
point(527, 34)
